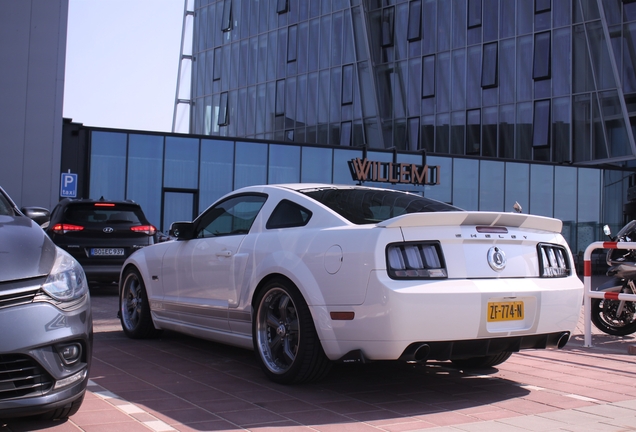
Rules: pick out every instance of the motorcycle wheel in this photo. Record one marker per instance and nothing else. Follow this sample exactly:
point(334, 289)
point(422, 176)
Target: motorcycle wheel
point(605, 319)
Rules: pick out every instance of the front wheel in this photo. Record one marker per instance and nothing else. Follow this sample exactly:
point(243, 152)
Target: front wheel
point(482, 362)
point(604, 317)
point(134, 308)
point(285, 339)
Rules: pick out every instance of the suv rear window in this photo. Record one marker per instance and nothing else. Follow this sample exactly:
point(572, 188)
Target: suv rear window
point(86, 213)
point(368, 206)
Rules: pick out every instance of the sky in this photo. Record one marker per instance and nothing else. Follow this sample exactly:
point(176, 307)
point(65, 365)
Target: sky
point(122, 59)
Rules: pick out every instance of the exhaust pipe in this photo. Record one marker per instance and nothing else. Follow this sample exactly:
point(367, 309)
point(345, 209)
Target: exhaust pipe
point(563, 339)
point(421, 353)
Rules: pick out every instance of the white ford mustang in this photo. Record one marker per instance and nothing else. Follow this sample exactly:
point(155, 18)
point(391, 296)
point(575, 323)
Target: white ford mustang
point(307, 274)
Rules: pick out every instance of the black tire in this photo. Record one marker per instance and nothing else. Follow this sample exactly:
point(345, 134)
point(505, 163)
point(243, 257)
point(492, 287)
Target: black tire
point(604, 317)
point(482, 362)
point(64, 412)
point(285, 339)
point(134, 308)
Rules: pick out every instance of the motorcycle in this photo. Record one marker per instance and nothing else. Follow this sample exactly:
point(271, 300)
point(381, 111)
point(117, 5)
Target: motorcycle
point(618, 317)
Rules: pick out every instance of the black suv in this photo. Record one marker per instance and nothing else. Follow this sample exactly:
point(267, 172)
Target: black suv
point(100, 234)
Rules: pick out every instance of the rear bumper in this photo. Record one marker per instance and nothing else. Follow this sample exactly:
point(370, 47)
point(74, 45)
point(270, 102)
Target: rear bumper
point(451, 317)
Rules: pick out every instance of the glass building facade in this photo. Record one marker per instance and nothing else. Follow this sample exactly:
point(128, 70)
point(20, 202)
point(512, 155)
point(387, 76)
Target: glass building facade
point(527, 101)
point(532, 80)
point(175, 177)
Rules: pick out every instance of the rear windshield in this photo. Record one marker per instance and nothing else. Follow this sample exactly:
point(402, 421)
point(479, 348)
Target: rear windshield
point(86, 213)
point(368, 206)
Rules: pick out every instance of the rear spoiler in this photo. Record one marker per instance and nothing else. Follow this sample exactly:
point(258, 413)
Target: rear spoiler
point(516, 220)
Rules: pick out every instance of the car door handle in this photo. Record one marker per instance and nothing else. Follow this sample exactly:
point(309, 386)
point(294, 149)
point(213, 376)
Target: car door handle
point(224, 253)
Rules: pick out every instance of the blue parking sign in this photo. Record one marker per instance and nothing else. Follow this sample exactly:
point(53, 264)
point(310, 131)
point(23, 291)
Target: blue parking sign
point(68, 185)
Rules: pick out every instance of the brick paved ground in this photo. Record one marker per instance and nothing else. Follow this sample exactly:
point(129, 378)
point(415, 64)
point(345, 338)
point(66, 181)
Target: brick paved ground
point(185, 384)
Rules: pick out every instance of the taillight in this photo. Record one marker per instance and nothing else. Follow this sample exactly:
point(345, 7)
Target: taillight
point(145, 229)
point(64, 228)
point(553, 261)
point(416, 260)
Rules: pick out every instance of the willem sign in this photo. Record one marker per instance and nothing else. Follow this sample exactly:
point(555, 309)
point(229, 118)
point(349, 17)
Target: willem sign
point(388, 172)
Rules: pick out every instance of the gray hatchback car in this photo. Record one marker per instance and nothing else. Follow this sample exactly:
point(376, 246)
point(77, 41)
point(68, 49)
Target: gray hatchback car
point(46, 321)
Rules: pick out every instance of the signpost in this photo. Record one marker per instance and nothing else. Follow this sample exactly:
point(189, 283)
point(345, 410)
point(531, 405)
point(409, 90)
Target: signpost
point(68, 185)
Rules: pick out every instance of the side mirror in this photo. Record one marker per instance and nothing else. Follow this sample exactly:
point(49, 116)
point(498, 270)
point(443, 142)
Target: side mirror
point(607, 231)
point(38, 214)
point(182, 230)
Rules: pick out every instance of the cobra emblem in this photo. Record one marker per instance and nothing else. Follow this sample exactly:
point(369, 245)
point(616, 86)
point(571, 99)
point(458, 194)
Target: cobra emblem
point(496, 258)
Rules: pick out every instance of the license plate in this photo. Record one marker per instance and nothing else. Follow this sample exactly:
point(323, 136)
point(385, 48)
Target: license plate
point(107, 251)
point(505, 311)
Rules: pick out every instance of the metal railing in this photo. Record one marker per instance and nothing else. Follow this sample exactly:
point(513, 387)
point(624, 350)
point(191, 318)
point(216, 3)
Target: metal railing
point(588, 294)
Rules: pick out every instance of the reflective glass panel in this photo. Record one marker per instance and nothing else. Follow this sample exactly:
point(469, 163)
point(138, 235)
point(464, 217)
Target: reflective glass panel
point(466, 184)
point(541, 126)
point(491, 186)
point(444, 190)
point(181, 168)
point(341, 158)
point(284, 164)
point(589, 208)
point(489, 66)
point(217, 171)
point(542, 56)
point(517, 186)
point(251, 164)
point(565, 202)
point(108, 165)
point(316, 165)
point(178, 207)
point(541, 190)
point(145, 163)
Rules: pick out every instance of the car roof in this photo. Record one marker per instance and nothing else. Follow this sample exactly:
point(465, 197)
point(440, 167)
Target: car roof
point(68, 201)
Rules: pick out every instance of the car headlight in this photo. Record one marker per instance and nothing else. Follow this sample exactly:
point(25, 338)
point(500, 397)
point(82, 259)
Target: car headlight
point(67, 281)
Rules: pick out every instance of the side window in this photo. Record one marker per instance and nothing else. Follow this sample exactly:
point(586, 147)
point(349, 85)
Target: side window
point(232, 216)
point(288, 214)
point(5, 207)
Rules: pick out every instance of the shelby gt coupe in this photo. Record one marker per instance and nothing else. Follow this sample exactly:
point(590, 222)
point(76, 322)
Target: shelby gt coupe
point(308, 274)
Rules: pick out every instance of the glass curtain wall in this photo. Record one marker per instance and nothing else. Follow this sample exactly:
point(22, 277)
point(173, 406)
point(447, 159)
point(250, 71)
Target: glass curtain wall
point(532, 80)
point(160, 172)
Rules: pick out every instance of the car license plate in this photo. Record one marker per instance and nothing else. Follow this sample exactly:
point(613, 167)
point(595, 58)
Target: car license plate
point(107, 251)
point(505, 311)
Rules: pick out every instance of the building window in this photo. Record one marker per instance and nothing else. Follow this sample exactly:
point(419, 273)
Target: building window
point(347, 84)
point(474, 13)
point(542, 56)
point(280, 97)
point(415, 20)
point(489, 66)
point(345, 134)
point(283, 6)
point(223, 118)
point(216, 72)
point(291, 43)
point(541, 124)
point(413, 133)
point(226, 23)
point(388, 16)
point(473, 132)
point(428, 76)
point(542, 6)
